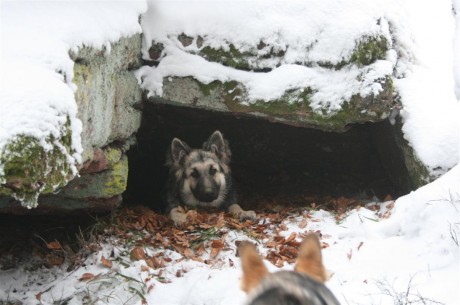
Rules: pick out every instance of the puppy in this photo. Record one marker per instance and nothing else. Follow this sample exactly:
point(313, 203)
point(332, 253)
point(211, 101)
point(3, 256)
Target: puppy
point(201, 178)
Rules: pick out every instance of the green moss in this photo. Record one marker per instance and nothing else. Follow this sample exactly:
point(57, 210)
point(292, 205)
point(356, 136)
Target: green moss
point(368, 50)
point(115, 184)
point(208, 88)
point(295, 101)
point(231, 58)
point(113, 156)
point(30, 170)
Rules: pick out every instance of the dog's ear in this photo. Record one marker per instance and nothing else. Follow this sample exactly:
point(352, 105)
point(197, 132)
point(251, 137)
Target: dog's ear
point(253, 267)
point(218, 146)
point(310, 260)
point(179, 150)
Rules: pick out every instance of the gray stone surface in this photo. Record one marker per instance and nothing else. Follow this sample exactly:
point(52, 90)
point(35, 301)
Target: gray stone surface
point(107, 90)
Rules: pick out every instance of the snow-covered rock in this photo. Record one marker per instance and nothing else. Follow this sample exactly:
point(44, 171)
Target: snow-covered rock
point(66, 94)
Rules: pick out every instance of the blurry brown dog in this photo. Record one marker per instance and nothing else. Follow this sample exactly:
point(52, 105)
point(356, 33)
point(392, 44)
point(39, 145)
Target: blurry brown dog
point(303, 286)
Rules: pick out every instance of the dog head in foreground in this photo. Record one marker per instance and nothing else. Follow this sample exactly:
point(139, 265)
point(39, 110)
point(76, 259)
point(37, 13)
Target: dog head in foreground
point(303, 286)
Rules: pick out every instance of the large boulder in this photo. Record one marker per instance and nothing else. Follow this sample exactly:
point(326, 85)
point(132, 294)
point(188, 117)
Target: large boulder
point(106, 92)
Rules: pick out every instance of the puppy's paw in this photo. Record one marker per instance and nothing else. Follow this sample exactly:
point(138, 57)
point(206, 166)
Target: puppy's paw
point(178, 217)
point(238, 212)
point(248, 215)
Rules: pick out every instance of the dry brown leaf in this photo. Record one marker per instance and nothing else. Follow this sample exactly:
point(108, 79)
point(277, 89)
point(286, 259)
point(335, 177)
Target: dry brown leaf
point(144, 268)
point(390, 205)
point(216, 247)
point(388, 198)
point(188, 253)
point(154, 262)
point(38, 296)
point(106, 262)
point(303, 223)
point(86, 277)
point(55, 260)
point(54, 245)
point(291, 237)
point(150, 288)
point(137, 253)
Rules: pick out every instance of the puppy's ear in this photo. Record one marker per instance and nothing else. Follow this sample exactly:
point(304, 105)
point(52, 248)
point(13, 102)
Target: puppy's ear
point(309, 260)
point(218, 146)
point(179, 150)
point(253, 267)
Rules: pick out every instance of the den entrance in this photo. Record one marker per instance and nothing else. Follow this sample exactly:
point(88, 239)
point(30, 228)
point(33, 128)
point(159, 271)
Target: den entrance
point(272, 162)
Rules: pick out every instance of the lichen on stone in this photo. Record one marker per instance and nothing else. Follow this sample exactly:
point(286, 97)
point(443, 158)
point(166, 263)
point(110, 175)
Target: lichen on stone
point(368, 50)
point(30, 169)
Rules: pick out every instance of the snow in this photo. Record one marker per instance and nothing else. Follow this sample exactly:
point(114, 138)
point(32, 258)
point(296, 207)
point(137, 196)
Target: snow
point(415, 247)
point(37, 93)
point(374, 257)
point(421, 57)
point(328, 34)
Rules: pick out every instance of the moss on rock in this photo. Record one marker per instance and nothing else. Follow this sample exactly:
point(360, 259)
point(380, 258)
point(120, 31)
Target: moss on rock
point(105, 184)
point(30, 169)
point(368, 50)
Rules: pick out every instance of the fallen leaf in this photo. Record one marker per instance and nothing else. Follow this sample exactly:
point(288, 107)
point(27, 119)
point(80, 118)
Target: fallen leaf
point(291, 237)
point(137, 253)
point(38, 296)
point(54, 245)
point(390, 205)
point(144, 268)
point(216, 247)
point(188, 253)
point(86, 277)
point(106, 262)
point(303, 223)
point(388, 198)
point(150, 288)
point(154, 262)
point(55, 260)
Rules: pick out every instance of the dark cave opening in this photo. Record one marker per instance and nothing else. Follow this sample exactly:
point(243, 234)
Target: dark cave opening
point(270, 161)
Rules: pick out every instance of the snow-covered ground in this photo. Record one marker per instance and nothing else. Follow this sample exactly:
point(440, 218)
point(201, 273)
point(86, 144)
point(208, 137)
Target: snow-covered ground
point(381, 254)
point(370, 257)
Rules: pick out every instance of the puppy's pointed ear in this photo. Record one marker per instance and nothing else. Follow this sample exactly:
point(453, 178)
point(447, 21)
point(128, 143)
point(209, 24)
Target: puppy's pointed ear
point(179, 150)
point(218, 146)
point(310, 260)
point(253, 267)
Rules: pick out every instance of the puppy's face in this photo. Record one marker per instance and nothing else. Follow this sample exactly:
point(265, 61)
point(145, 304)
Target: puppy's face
point(204, 177)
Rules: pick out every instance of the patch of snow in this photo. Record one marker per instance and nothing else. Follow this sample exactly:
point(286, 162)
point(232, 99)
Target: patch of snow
point(426, 82)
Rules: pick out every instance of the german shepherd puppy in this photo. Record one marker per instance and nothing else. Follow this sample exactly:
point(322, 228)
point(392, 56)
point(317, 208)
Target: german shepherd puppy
point(201, 178)
point(303, 286)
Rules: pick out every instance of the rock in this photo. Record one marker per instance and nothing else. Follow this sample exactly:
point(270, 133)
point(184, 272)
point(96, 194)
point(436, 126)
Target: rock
point(292, 108)
point(30, 169)
point(107, 91)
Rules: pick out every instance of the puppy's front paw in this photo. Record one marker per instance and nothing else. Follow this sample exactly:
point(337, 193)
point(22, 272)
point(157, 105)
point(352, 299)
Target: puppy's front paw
point(178, 217)
point(238, 212)
point(248, 215)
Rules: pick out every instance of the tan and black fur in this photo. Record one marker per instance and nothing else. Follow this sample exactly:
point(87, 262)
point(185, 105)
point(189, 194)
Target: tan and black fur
point(303, 286)
point(201, 178)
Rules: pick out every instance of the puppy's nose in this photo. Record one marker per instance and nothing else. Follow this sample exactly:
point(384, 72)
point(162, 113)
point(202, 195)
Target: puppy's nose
point(209, 191)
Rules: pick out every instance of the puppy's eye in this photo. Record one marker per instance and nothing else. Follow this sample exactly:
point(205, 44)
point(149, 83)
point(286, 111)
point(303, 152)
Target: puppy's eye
point(195, 174)
point(212, 171)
